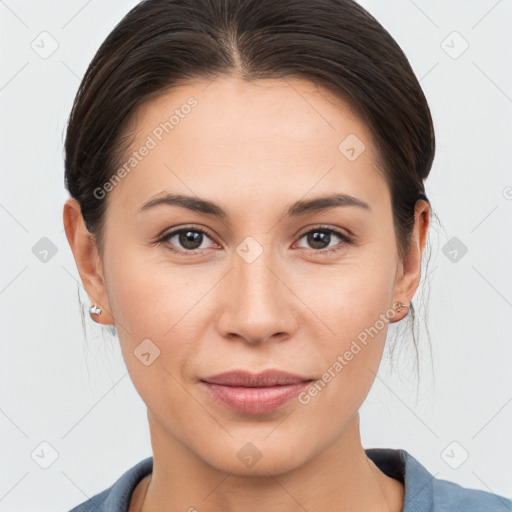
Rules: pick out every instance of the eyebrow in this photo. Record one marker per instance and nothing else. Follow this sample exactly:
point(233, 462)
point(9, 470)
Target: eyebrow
point(297, 209)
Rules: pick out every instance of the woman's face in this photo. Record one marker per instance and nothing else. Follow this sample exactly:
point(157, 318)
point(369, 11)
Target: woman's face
point(268, 286)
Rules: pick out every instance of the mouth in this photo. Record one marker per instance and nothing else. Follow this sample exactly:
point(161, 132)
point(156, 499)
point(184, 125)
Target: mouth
point(250, 393)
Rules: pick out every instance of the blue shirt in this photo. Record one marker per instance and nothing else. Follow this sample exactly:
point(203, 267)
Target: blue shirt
point(423, 492)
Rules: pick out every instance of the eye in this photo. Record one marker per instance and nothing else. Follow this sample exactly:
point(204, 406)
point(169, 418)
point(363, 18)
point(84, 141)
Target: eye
point(189, 238)
point(320, 238)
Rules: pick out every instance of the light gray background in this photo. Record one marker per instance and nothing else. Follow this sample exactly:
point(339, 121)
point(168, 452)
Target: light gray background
point(75, 395)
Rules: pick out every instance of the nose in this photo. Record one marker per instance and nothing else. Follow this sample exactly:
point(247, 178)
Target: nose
point(259, 304)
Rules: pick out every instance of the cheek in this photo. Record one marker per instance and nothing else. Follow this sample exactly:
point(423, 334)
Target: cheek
point(150, 304)
point(149, 298)
point(159, 315)
point(349, 297)
point(352, 308)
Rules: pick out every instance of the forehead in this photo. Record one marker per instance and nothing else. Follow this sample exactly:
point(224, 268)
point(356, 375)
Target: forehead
point(227, 137)
point(289, 108)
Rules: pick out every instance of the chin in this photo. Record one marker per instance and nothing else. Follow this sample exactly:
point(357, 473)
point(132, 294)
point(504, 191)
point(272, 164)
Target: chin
point(259, 457)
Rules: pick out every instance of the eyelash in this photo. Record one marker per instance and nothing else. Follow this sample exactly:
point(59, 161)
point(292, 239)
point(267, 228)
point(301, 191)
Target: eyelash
point(324, 229)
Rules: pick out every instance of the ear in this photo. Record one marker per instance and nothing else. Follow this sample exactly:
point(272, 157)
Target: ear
point(409, 273)
point(87, 259)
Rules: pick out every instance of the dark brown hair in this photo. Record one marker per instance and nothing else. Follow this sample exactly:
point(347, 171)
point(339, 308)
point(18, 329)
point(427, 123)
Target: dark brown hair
point(336, 43)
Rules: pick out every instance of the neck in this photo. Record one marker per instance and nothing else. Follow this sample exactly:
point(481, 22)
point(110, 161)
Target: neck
point(339, 478)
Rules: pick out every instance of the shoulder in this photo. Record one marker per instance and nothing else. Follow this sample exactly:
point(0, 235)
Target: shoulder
point(117, 497)
point(426, 493)
point(452, 497)
point(96, 503)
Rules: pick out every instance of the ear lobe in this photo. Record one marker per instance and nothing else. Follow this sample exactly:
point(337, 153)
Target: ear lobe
point(407, 284)
point(87, 259)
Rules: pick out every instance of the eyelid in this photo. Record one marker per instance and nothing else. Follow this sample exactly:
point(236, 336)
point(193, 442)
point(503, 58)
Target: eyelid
point(325, 227)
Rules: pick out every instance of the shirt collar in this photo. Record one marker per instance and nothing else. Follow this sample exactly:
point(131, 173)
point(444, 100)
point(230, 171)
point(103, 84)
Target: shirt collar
point(402, 466)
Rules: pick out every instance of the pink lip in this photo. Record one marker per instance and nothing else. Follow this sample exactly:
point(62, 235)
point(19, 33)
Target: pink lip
point(250, 393)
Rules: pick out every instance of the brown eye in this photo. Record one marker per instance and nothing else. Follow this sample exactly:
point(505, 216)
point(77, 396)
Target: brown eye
point(320, 239)
point(185, 239)
point(190, 239)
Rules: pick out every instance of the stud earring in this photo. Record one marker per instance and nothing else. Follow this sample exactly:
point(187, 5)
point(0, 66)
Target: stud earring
point(400, 306)
point(94, 310)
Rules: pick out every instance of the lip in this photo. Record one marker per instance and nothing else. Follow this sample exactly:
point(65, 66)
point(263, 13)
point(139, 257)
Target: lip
point(255, 393)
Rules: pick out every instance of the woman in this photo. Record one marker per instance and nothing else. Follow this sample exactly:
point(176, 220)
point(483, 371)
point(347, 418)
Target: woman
point(248, 210)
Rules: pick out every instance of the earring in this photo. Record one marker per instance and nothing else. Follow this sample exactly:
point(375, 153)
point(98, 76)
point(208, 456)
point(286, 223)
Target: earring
point(94, 310)
point(400, 306)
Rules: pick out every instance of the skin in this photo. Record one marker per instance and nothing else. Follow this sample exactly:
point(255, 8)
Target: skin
point(252, 148)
